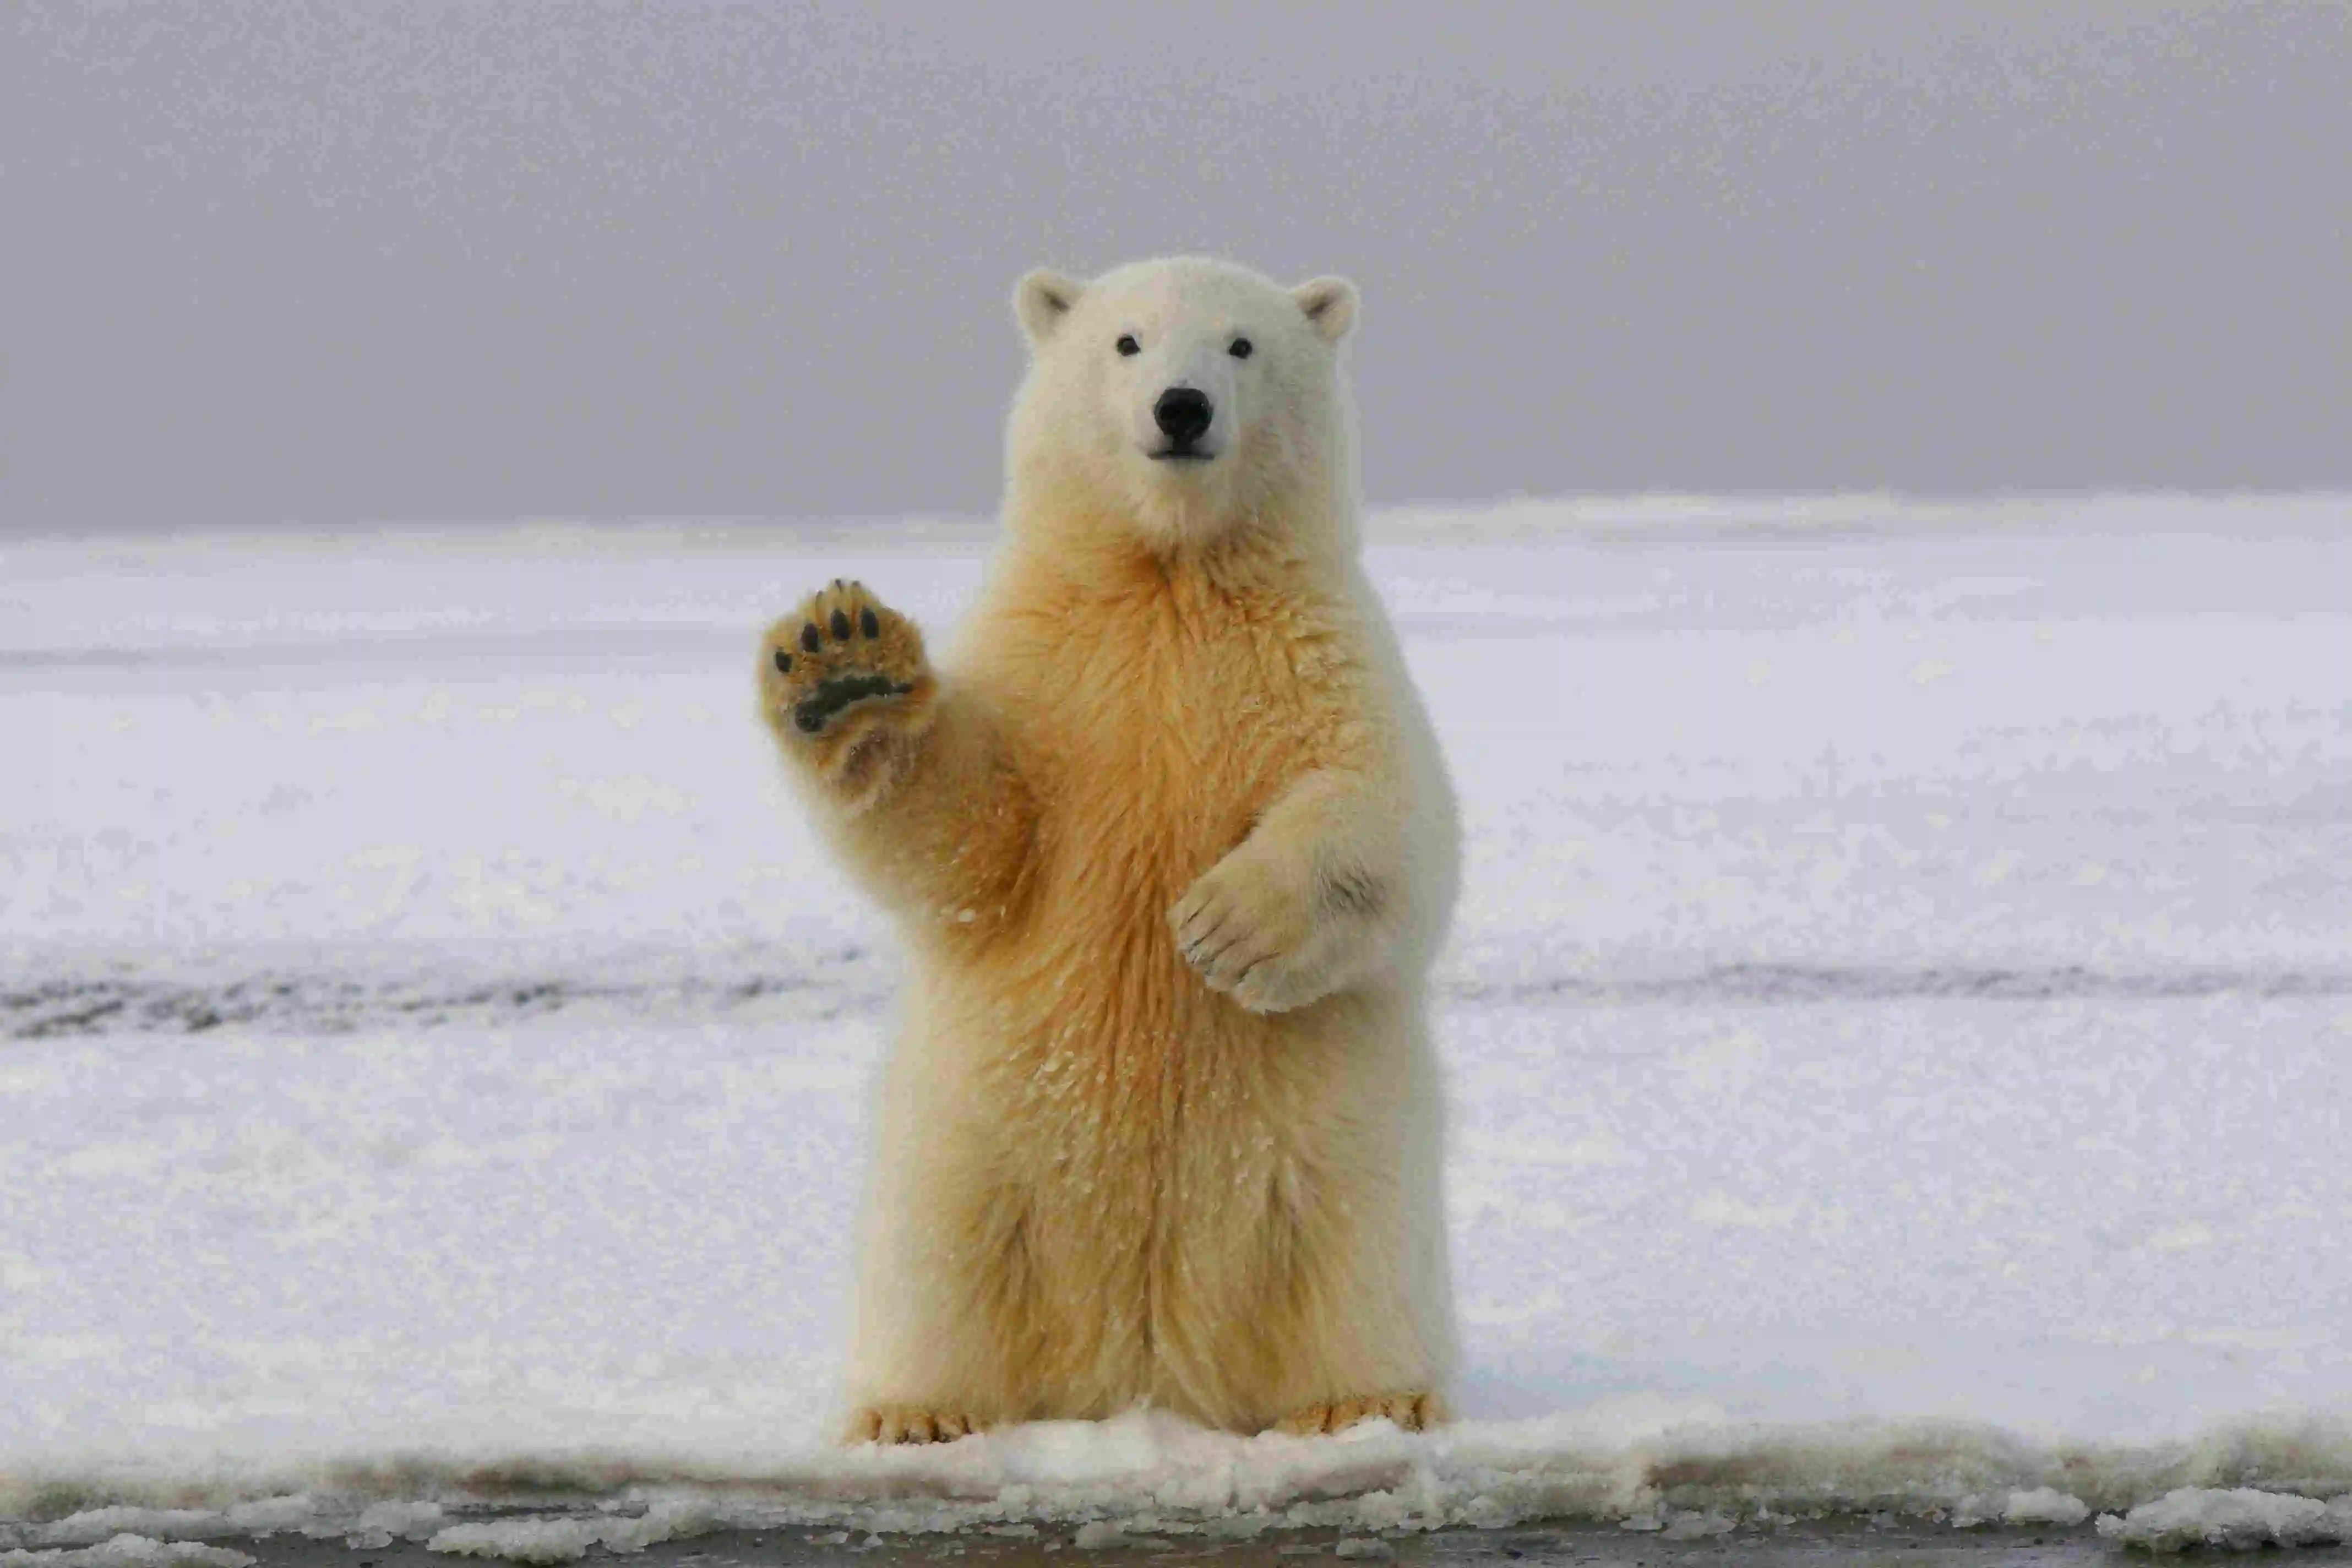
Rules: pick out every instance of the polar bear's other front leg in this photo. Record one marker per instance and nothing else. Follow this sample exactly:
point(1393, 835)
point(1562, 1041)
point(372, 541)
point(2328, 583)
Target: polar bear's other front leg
point(1305, 906)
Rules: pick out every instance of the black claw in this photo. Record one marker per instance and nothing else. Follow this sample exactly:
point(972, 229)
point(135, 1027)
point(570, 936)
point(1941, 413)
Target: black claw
point(869, 623)
point(783, 662)
point(841, 625)
point(809, 637)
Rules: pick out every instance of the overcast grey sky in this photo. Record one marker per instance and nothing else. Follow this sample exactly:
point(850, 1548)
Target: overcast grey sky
point(424, 261)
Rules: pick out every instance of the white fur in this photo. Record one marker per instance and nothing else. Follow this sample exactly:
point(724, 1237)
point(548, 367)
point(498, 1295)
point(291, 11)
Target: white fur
point(1174, 851)
point(1284, 425)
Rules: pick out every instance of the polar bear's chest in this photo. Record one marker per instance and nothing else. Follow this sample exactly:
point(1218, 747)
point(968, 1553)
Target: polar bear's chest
point(1180, 749)
point(1157, 720)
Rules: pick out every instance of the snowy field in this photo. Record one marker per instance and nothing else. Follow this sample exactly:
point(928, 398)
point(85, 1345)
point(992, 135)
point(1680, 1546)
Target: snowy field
point(1899, 1029)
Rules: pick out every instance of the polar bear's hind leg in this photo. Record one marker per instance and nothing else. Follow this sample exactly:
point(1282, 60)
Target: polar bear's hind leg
point(1414, 1412)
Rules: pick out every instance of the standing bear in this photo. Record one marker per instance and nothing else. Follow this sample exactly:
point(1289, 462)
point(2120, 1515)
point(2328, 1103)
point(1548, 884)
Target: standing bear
point(1172, 848)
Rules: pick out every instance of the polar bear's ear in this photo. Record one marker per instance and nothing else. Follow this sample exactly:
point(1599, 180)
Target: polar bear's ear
point(1330, 304)
point(1042, 299)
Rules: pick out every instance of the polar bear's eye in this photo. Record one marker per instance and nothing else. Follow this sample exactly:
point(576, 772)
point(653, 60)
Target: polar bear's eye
point(1127, 346)
point(1241, 349)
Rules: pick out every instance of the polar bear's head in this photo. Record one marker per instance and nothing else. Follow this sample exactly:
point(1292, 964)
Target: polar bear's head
point(1186, 396)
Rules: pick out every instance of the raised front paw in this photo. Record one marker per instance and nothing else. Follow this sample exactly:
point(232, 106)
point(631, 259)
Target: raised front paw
point(842, 674)
point(1249, 926)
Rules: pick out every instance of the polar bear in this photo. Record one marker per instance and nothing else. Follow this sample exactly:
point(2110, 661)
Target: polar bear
point(1172, 847)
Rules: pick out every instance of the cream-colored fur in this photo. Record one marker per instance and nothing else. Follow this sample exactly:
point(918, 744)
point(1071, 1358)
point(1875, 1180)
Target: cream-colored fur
point(1172, 848)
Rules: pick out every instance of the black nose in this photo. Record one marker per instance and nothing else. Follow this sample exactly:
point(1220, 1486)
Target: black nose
point(1183, 414)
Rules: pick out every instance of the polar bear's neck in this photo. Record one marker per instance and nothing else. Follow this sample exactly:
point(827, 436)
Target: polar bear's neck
point(1244, 627)
point(1067, 509)
point(1113, 562)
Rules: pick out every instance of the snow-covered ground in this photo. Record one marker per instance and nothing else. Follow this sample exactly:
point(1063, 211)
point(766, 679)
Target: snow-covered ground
point(1899, 1025)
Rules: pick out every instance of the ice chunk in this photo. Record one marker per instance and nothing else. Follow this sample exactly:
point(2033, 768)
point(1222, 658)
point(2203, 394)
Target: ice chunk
point(129, 1550)
point(107, 1524)
point(1697, 1525)
point(542, 1540)
point(400, 1520)
point(522, 1540)
point(2240, 1518)
point(2045, 1505)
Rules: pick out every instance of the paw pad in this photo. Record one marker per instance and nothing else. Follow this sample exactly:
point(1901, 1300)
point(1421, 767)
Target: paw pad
point(812, 713)
point(873, 657)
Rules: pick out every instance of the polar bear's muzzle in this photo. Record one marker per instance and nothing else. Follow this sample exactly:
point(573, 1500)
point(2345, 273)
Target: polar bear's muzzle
point(1184, 414)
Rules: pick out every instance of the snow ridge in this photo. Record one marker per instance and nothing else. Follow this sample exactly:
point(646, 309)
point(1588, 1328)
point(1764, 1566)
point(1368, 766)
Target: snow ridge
point(2240, 1519)
point(49, 999)
point(1642, 1462)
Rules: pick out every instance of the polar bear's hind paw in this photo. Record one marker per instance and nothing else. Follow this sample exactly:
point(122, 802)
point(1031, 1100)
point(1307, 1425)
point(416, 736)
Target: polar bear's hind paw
point(894, 1424)
point(1414, 1412)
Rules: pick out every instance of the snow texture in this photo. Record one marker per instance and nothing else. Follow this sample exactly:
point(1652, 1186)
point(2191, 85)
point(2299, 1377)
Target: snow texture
point(131, 1552)
point(2044, 1505)
point(2240, 1518)
point(568, 1539)
point(1898, 1029)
